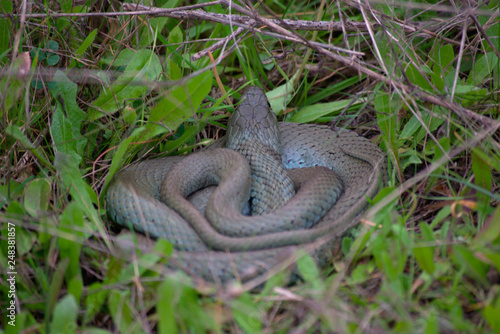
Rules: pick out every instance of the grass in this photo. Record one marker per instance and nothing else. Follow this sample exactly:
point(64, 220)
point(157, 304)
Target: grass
point(83, 96)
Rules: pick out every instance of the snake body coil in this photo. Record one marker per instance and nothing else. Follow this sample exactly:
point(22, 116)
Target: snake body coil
point(334, 171)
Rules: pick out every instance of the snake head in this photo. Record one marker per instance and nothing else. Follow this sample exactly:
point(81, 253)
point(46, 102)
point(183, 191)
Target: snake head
point(253, 120)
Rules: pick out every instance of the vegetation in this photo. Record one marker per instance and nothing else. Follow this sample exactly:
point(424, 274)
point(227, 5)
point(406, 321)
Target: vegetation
point(82, 95)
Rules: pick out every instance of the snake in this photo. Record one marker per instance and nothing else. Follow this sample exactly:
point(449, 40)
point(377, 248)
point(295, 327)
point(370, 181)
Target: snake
point(247, 203)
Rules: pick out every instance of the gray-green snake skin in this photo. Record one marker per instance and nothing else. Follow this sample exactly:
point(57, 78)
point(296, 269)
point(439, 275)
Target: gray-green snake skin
point(334, 172)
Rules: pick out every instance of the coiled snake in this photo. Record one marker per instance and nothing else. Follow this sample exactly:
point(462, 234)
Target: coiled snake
point(334, 172)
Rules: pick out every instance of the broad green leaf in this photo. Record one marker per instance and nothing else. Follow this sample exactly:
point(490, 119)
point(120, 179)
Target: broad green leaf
point(85, 44)
point(179, 105)
point(189, 133)
point(427, 232)
point(64, 316)
point(346, 245)
point(387, 109)
point(417, 78)
point(176, 38)
point(437, 81)
point(52, 58)
point(494, 29)
point(389, 249)
point(474, 96)
point(247, 313)
point(174, 62)
point(401, 232)
point(18, 135)
point(363, 239)
point(143, 67)
point(441, 215)
point(123, 58)
point(146, 262)
point(493, 256)
point(491, 159)
point(332, 89)
point(281, 278)
point(432, 324)
point(192, 313)
point(96, 296)
point(308, 269)
point(402, 326)
point(62, 88)
point(361, 273)
point(483, 179)
point(65, 5)
point(114, 270)
point(56, 282)
point(174, 72)
point(280, 96)
point(475, 268)
point(388, 56)
point(37, 196)
point(168, 296)
point(63, 22)
point(388, 266)
point(491, 313)
point(445, 56)
point(36, 52)
point(491, 231)
point(425, 258)
point(71, 180)
point(10, 190)
point(71, 225)
point(129, 115)
point(147, 37)
point(64, 139)
point(431, 124)
point(119, 307)
point(68, 117)
point(410, 128)
point(445, 144)
point(482, 69)
point(119, 155)
point(464, 89)
point(52, 45)
point(312, 112)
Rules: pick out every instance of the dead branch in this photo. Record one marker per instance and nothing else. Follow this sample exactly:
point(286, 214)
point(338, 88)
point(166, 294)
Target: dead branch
point(240, 20)
point(285, 29)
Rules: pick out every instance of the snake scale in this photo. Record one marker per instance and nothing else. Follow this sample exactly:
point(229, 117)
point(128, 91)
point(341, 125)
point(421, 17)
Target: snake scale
point(303, 182)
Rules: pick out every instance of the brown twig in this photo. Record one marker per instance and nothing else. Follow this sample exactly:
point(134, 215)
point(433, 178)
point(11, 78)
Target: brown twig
point(218, 45)
point(284, 29)
point(182, 13)
point(251, 24)
point(479, 27)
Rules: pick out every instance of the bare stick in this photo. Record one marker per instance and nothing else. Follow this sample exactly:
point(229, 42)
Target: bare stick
point(283, 29)
point(251, 24)
point(239, 19)
point(217, 45)
point(485, 36)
